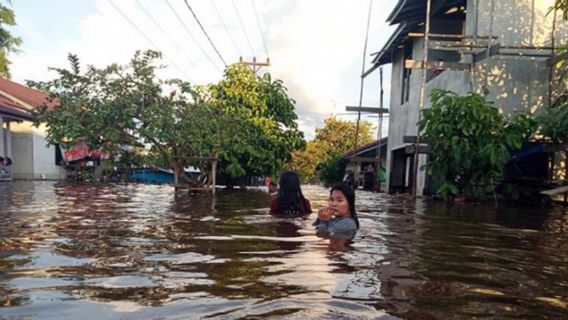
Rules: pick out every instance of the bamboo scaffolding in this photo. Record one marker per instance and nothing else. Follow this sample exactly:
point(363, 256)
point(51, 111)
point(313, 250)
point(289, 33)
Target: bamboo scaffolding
point(422, 93)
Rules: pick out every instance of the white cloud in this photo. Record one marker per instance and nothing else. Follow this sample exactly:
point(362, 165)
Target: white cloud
point(315, 46)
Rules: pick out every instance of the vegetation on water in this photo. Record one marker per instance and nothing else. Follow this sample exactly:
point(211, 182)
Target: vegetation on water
point(247, 121)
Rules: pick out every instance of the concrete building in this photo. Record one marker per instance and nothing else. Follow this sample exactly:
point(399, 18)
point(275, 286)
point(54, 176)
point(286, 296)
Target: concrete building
point(503, 49)
point(24, 145)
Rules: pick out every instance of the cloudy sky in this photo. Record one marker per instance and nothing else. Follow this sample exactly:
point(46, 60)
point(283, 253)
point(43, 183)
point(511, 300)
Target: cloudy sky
point(315, 46)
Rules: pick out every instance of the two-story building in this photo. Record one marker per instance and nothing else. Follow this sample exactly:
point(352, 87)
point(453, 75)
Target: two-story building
point(502, 49)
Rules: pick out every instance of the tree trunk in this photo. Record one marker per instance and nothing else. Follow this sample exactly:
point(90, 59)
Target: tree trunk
point(179, 171)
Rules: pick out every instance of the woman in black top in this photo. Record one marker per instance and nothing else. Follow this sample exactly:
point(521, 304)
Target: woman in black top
point(290, 200)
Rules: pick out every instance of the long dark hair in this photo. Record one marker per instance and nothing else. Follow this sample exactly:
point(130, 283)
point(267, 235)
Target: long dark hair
point(289, 193)
point(350, 196)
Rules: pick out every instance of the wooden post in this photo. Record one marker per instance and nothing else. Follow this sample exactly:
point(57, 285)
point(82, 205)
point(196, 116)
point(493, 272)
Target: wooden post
point(422, 93)
point(380, 132)
point(255, 66)
point(213, 175)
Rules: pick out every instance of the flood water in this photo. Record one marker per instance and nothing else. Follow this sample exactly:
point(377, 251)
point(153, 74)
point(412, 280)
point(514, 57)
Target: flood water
point(133, 251)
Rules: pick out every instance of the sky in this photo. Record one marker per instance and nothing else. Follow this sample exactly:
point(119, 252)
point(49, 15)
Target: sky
point(315, 46)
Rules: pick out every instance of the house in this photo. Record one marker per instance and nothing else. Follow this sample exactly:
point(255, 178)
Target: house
point(30, 156)
point(362, 162)
point(504, 50)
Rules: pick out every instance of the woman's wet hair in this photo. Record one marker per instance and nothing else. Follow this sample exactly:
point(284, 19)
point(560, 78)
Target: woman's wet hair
point(289, 193)
point(349, 194)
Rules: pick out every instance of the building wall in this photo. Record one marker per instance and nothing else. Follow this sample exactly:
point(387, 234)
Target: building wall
point(513, 83)
point(44, 157)
point(33, 158)
point(515, 22)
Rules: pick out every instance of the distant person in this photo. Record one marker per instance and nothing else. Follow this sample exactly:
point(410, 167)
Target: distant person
point(290, 202)
point(339, 218)
point(349, 178)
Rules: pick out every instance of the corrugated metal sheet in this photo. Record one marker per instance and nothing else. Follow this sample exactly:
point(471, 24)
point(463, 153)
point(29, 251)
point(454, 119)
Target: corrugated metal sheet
point(408, 14)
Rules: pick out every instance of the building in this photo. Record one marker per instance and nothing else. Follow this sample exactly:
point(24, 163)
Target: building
point(30, 156)
point(504, 50)
point(362, 163)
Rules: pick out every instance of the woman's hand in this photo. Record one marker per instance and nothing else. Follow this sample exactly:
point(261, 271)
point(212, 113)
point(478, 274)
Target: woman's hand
point(325, 214)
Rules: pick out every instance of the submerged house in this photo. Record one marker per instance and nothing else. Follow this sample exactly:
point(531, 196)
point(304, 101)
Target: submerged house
point(362, 163)
point(504, 50)
point(24, 151)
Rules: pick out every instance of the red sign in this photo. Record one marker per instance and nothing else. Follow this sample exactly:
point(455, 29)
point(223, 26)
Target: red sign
point(80, 151)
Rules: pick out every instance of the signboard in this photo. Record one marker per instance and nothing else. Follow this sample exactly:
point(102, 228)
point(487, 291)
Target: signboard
point(81, 151)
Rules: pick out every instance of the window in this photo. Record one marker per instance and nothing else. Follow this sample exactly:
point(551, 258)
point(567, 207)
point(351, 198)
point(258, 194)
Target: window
point(406, 73)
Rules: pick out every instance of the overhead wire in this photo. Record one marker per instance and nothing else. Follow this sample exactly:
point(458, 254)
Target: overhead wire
point(259, 28)
point(243, 27)
point(192, 37)
point(226, 29)
point(156, 23)
point(149, 40)
point(205, 32)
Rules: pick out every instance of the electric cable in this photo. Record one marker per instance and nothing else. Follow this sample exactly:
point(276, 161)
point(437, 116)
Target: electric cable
point(205, 32)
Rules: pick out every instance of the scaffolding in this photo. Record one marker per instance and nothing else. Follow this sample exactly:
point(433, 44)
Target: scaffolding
point(467, 46)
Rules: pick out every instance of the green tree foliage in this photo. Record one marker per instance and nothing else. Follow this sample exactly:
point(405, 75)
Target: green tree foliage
point(470, 142)
point(336, 137)
point(331, 171)
point(247, 121)
point(339, 135)
point(554, 121)
point(102, 107)
point(262, 131)
point(8, 43)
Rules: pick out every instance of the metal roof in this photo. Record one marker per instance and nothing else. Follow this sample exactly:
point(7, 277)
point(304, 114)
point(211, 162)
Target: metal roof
point(365, 148)
point(408, 14)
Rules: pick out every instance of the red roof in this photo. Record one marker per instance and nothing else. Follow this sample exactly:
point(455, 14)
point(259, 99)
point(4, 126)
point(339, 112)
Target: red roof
point(22, 96)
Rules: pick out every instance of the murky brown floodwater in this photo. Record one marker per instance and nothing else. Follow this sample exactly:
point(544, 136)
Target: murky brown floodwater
point(71, 251)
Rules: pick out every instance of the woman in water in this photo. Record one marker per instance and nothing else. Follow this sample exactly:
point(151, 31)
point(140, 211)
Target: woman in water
point(339, 217)
point(290, 201)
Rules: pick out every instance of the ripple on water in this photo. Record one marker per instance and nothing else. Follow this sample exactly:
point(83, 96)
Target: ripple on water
point(135, 251)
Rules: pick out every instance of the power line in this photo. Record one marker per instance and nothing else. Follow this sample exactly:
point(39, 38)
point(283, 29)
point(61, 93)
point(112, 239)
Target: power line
point(161, 29)
point(259, 28)
point(191, 36)
point(149, 40)
point(156, 23)
point(243, 27)
point(226, 29)
point(205, 32)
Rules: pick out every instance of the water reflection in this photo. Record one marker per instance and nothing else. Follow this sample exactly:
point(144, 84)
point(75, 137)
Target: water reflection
point(140, 251)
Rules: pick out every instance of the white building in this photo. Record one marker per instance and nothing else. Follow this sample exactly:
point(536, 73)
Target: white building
point(23, 144)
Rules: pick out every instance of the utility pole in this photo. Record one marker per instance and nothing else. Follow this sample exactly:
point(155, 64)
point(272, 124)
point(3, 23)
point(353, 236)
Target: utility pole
point(255, 66)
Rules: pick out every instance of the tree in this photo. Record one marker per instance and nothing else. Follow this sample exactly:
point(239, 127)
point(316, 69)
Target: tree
point(331, 171)
point(339, 135)
point(470, 142)
point(247, 122)
point(8, 43)
point(100, 107)
point(336, 137)
point(262, 132)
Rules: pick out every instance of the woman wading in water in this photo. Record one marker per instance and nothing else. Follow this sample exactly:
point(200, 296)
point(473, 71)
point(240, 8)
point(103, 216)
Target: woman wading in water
point(339, 217)
point(290, 201)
